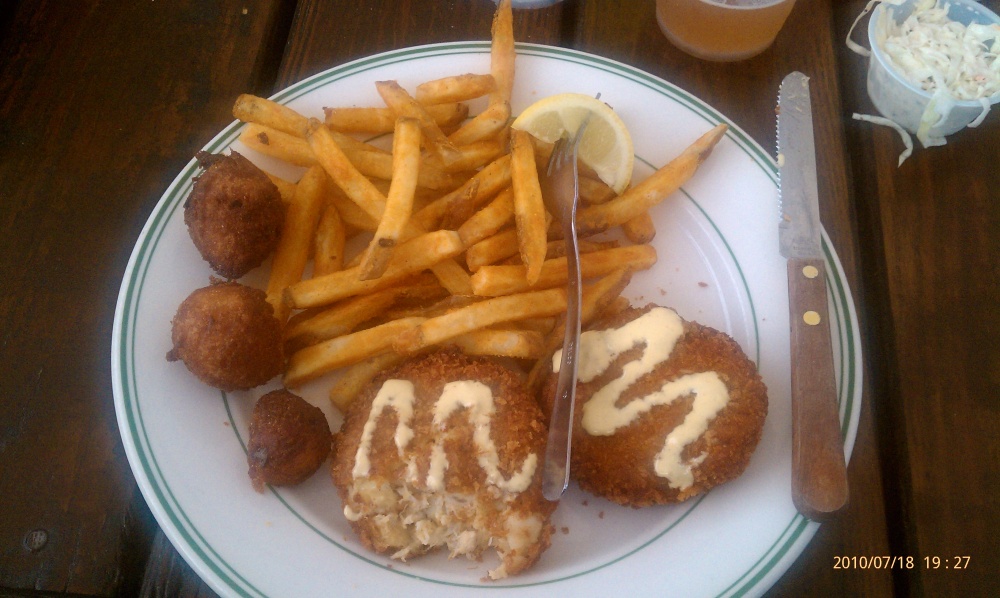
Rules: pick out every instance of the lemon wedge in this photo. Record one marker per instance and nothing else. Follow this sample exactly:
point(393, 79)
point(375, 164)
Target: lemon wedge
point(606, 145)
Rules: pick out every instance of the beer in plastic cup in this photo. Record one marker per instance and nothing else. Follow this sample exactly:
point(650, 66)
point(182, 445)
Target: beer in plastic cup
point(722, 30)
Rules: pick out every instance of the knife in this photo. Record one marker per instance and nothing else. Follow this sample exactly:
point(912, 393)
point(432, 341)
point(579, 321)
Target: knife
point(819, 472)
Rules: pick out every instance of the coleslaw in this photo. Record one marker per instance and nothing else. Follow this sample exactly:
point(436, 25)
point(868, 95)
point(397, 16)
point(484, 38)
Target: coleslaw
point(951, 61)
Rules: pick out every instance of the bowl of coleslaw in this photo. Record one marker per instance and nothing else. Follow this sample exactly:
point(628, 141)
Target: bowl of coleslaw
point(934, 66)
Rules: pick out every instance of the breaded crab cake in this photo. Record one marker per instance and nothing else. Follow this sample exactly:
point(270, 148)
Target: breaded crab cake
point(445, 451)
point(666, 409)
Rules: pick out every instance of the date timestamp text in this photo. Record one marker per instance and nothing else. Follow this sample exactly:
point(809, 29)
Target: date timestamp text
point(901, 562)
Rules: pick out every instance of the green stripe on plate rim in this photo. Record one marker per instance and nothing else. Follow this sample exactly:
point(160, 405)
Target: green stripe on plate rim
point(170, 202)
point(133, 410)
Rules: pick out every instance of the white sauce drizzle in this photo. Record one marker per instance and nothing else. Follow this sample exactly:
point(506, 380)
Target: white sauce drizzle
point(477, 399)
point(659, 329)
point(398, 395)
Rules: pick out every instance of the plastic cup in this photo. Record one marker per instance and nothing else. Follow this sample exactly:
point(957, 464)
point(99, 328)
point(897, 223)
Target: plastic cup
point(904, 102)
point(722, 30)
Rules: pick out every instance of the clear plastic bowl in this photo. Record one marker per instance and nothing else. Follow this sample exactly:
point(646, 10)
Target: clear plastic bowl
point(904, 102)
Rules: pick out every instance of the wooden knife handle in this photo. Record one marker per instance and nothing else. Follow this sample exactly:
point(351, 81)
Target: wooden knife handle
point(819, 473)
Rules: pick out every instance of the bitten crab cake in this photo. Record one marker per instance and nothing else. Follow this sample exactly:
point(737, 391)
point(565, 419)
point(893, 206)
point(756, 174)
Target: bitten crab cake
point(666, 409)
point(445, 451)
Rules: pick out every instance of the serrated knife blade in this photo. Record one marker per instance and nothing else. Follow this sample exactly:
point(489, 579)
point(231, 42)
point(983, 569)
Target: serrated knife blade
point(819, 471)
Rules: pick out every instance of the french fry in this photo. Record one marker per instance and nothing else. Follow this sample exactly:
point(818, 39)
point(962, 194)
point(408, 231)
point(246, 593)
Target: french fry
point(443, 306)
point(594, 191)
point(277, 144)
point(350, 214)
point(340, 319)
point(354, 184)
point(529, 211)
point(640, 230)
point(457, 88)
point(328, 244)
point(315, 360)
point(383, 120)
point(378, 165)
point(285, 188)
point(486, 183)
point(522, 344)
point(485, 125)
point(292, 253)
point(252, 109)
point(405, 165)
point(350, 144)
point(413, 256)
point(542, 326)
point(491, 250)
point(353, 378)
point(502, 53)
point(396, 98)
point(367, 159)
point(487, 221)
point(556, 249)
point(480, 315)
point(492, 281)
point(453, 277)
point(475, 155)
point(638, 199)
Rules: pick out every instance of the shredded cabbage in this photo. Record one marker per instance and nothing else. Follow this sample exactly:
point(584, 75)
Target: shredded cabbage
point(953, 61)
point(935, 53)
point(881, 120)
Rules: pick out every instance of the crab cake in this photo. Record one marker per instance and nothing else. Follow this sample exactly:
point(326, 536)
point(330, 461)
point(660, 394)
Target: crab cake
point(666, 408)
point(226, 334)
point(289, 439)
point(445, 451)
point(234, 214)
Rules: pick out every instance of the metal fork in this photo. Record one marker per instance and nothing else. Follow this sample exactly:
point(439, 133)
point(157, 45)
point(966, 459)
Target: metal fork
point(561, 193)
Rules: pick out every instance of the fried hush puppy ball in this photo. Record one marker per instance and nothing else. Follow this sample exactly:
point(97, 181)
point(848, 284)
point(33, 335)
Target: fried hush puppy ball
point(445, 451)
point(226, 334)
point(688, 420)
point(289, 440)
point(234, 214)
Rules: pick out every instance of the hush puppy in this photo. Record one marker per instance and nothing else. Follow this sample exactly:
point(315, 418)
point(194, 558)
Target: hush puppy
point(234, 214)
point(289, 440)
point(226, 334)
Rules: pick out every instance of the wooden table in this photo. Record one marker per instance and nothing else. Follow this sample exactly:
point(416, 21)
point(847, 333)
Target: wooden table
point(101, 104)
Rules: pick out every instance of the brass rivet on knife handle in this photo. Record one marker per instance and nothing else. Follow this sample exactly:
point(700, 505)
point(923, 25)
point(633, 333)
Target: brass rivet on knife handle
point(819, 472)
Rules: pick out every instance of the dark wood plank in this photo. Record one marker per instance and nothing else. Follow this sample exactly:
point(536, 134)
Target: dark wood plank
point(100, 105)
point(934, 288)
point(325, 34)
point(629, 32)
point(168, 576)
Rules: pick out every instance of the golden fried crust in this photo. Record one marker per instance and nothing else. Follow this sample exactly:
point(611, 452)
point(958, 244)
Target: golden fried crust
point(619, 467)
point(289, 440)
point(516, 429)
point(226, 334)
point(234, 214)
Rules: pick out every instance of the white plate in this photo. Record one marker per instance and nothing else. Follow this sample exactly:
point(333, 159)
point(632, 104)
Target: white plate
point(718, 264)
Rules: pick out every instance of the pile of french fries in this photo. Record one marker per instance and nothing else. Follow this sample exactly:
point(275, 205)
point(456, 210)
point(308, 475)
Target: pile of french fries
point(462, 251)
